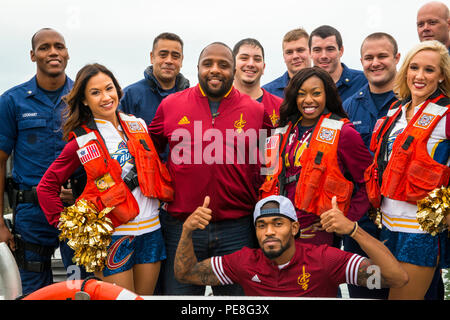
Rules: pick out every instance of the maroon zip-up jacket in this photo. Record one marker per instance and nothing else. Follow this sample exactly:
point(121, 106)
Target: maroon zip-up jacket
point(215, 156)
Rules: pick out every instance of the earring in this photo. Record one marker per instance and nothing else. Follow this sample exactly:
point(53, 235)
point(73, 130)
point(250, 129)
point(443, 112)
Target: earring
point(440, 81)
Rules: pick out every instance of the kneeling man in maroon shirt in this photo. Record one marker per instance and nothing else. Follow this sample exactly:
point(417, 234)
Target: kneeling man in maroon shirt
point(283, 266)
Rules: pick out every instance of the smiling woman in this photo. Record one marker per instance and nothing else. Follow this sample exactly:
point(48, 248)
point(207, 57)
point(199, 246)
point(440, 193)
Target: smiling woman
point(102, 98)
point(319, 148)
point(311, 99)
point(415, 140)
point(117, 156)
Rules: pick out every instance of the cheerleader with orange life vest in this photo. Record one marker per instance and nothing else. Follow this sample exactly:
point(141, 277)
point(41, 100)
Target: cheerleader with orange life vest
point(316, 154)
point(411, 146)
point(123, 172)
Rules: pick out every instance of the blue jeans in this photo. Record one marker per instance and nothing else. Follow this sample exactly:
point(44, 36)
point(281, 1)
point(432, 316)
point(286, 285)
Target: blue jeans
point(217, 239)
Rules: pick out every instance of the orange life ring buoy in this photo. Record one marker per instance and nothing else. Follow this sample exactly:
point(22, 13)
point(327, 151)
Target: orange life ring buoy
point(95, 290)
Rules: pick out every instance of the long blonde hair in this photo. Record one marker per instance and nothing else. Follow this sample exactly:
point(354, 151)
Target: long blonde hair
point(401, 87)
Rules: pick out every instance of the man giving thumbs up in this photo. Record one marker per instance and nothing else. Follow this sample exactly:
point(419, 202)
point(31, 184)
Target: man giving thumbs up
point(283, 266)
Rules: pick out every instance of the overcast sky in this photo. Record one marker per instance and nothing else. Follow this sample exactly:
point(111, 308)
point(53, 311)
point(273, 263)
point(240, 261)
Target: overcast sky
point(119, 33)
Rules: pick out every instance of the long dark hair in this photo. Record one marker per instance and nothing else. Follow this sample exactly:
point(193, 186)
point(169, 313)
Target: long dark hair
point(76, 113)
point(289, 111)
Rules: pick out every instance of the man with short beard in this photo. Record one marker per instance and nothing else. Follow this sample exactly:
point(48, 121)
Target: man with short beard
point(283, 266)
point(197, 124)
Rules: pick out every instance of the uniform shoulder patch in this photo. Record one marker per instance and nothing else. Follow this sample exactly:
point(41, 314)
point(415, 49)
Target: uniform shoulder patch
point(135, 127)
point(326, 135)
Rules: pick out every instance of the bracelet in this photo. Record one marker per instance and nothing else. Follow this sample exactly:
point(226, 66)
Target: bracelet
point(355, 228)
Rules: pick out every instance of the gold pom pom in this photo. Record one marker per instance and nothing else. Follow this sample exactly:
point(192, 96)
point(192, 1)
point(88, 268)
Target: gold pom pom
point(375, 215)
point(432, 210)
point(88, 233)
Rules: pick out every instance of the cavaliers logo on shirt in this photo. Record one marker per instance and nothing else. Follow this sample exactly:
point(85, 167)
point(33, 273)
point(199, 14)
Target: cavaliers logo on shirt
point(274, 118)
point(240, 124)
point(424, 121)
point(303, 279)
point(326, 135)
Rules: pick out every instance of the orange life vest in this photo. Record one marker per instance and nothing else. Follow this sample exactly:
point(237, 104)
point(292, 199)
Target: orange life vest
point(105, 186)
point(320, 177)
point(154, 178)
point(411, 173)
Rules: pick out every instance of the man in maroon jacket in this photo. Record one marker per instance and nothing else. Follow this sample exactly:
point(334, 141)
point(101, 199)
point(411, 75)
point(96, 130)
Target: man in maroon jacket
point(213, 132)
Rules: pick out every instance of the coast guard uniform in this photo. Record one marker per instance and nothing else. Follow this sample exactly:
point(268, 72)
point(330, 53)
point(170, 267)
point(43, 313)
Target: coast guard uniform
point(31, 128)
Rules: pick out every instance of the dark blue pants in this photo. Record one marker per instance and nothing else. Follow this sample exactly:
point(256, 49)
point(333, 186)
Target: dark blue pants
point(30, 223)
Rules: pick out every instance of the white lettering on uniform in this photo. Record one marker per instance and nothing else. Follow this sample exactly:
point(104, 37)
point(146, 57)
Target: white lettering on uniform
point(29, 114)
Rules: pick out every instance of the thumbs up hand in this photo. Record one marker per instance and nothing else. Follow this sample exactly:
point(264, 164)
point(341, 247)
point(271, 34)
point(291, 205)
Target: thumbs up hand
point(334, 220)
point(200, 218)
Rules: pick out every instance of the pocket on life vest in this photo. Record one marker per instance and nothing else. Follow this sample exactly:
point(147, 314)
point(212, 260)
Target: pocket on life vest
point(164, 189)
point(146, 171)
point(421, 179)
point(372, 186)
point(395, 171)
point(341, 189)
point(154, 177)
point(114, 195)
point(268, 188)
point(307, 193)
point(338, 187)
point(124, 203)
